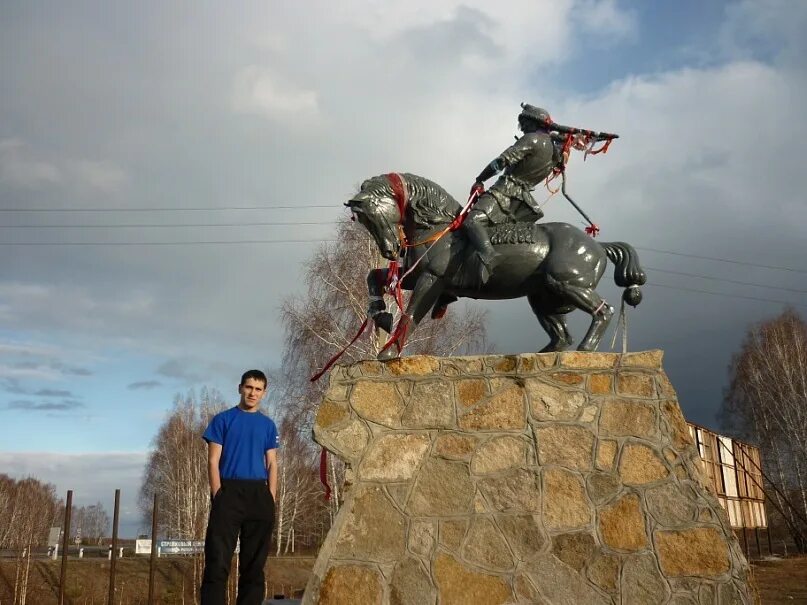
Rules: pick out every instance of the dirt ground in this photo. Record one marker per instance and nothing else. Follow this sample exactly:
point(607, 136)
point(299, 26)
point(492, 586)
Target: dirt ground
point(775, 581)
point(781, 580)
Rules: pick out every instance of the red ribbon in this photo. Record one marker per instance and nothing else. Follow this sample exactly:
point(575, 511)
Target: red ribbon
point(323, 472)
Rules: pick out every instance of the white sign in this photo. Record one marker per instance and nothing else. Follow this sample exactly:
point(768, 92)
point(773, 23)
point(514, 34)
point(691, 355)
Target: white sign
point(142, 547)
point(181, 547)
point(54, 536)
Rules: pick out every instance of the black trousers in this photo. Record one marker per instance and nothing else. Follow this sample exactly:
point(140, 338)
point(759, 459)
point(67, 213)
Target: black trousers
point(245, 508)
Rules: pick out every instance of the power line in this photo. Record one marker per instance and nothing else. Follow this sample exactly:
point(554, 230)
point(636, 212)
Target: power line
point(728, 281)
point(155, 209)
point(190, 243)
point(182, 225)
point(723, 260)
point(760, 299)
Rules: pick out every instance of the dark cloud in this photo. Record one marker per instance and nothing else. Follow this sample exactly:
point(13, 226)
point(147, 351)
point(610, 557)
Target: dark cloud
point(53, 393)
point(144, 385)
point(180, 370)
point(45, 406)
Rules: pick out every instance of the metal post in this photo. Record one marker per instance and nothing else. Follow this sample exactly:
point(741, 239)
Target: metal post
point(113, 553)
point(770, 544)
point(68, 509)
point(759, 548)
point(745, 543)
point(153, 560)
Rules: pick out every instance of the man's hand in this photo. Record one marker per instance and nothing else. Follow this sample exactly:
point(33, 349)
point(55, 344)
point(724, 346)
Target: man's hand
point(477, 188)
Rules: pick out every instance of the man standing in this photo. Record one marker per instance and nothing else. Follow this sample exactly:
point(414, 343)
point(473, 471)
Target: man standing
point(242, 468)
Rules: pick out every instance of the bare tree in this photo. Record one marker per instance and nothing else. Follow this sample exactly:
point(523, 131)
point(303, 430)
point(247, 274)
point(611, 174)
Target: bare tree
point(177, 467)
point(766, 401)
point(322, 321)
point(90, 523)
point(318, 324)
point(27, 507)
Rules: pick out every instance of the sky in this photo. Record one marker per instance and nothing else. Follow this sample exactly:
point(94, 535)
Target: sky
point(165, 116)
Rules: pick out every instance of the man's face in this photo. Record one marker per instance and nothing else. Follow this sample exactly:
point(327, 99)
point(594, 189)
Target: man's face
point(252, 391)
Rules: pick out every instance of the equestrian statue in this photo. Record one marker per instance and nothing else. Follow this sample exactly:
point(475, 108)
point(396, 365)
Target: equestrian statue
point(494, 247)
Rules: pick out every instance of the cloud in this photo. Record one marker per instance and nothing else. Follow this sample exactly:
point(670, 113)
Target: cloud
point(257, 90)
point(103, 177)
point(53, 393)
point(144, 385)
point(19, 169)
point(44, 406)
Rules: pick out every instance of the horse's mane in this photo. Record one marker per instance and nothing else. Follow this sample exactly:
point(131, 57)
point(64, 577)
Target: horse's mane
point(430, 203)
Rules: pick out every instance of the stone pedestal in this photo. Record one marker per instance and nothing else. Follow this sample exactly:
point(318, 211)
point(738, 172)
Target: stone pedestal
point(564, 478)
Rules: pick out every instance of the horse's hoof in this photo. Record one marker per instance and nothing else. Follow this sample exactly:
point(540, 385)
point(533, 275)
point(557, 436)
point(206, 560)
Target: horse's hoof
point(387, 355)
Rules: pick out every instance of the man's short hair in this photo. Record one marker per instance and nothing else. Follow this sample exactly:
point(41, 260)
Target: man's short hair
point(254, 374)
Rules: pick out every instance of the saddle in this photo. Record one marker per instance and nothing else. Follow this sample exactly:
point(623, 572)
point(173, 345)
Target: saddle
point(511, 233)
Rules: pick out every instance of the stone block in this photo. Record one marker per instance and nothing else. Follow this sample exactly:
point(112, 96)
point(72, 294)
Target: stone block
point(565, 445)
point(394, 457)
point(601, 384)
point(604, 572)
point(587, 360)
point(351, 584)
point(505, 364)
point(566, 505)
point(644, 359)
point(671, 412)
point(574, 549)
point(514, 491)
point(471, 391)
point(532, 362)
point(486, 547)
point(622, 525)
point(672, 505)
point(430, 406)
point(602, 487)
point(549, 402)
point(623, 417)
point(410, 584)
point(460, 585)
point(377, 402)
point(416, 365)
point(330, 413)
point(524, 534)
point(559, 584)
point(498, 454)
point(502, 411)
point(452, 532)
point(422, 537)
point(642, 583)
point(606, 453)
point(348, 440)
point(455, 446)
point(567, 378)
point(701, 551)
point(640, 464)
point(374, 530)
point(441, 488)
point(630, 384)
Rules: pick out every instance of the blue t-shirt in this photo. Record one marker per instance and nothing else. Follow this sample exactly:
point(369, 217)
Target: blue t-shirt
point(245, 437)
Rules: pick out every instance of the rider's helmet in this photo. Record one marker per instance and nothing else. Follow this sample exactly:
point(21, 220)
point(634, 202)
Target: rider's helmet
point(532, 115)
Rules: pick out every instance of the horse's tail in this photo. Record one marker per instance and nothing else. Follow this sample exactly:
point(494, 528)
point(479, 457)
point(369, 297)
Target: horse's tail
point(628, 273)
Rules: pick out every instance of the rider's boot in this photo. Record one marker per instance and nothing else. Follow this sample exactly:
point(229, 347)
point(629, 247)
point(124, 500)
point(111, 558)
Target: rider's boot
point(474, 227)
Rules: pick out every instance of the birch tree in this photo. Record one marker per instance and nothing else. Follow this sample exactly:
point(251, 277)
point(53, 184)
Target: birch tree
point(319, 323)
point(766, 402)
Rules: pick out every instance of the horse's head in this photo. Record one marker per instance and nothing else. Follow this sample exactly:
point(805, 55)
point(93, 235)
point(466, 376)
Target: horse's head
point(374, 207)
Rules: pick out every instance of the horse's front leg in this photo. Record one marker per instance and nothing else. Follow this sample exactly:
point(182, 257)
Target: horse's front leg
point(377, 309)
point(426, 292)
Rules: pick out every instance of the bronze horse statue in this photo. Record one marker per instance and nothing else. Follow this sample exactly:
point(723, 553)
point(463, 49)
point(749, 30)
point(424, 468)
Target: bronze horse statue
point(555, 265)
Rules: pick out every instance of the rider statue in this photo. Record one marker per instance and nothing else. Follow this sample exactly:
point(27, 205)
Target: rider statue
point(525, 164)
